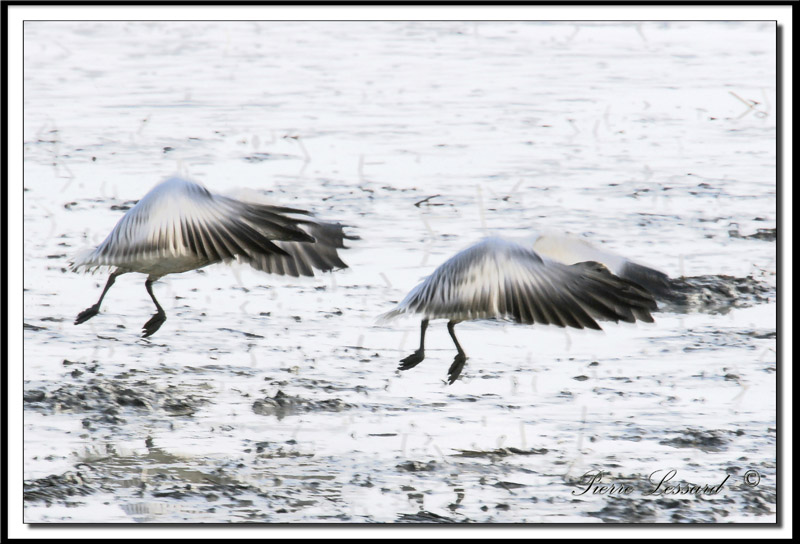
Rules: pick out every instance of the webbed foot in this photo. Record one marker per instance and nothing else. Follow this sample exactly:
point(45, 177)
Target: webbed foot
point(154, 324)
point(87, 314)
point(412, 360)
point(456, 368)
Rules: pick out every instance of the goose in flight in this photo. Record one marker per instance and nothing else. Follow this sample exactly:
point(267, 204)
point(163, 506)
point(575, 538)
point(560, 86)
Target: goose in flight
point(180, 226)
point(502, 279)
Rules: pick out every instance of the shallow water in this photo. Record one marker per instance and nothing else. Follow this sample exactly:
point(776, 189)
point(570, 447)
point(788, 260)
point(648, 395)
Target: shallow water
point(266, 399)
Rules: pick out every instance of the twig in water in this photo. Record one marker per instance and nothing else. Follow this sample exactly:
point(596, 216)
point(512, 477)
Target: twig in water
point(574, 33)
point(427, 226)
point(641, 32)
point(238, 279)
point(444, 459)
point(574, 126)
point(751, 106)
point(333, 281)
point(403, 341)
point(579, 445)
point(306, 156)
point(480, 209)
point(424, 200)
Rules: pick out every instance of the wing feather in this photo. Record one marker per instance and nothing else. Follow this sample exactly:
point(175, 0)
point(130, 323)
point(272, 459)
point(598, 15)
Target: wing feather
point(301, 258)
point(181, 221)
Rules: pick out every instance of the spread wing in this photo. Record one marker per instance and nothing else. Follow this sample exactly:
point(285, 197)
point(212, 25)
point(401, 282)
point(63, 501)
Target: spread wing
point(301, 258)
point(500, 279)
point(181, 219)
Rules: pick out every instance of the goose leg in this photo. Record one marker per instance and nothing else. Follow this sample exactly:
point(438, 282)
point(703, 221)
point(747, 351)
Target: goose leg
point(416, 358)
point(461, 357)
point(92, 311)
point(159, 317)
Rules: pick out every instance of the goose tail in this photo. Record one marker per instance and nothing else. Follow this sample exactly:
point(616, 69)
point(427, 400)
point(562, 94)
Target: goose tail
point(391, 315)
point(83, 261)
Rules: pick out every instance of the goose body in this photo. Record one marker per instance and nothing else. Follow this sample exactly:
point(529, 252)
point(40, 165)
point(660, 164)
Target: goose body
point(502, 279)
point(180, 226)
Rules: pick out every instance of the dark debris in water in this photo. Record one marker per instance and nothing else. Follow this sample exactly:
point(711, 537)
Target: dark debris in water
point(686, 507)
point(712, 339)
point(628, 510)
point(760, 500)
point(106, 400)
point(60, 487)
point(33, 395)
point(168, 478)
point(282, 405)
point(127, 205)
point(245, 333)
point(418, 466)
point(260, 157)
point(640, 506)
point(767, 235)
point(501, 452)
point(706, 440)
point(714, 294)
point(509, 485)
point(423, 516)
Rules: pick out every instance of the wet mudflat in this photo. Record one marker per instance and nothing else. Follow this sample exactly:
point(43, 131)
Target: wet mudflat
point(269, 399)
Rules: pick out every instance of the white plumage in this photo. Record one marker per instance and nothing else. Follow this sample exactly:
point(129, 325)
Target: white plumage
point(180, 225)
point(502, 279)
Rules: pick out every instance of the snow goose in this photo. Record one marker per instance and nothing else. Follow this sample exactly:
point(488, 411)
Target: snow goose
point(180, 226)
point(502, 279)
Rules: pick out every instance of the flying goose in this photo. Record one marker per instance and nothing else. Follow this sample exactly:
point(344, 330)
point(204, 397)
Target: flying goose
point(180, 226)
point(498, 278)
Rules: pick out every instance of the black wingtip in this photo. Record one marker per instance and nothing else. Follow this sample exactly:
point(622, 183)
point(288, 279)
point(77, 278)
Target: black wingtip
point(650, 279)
point(621, 299)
